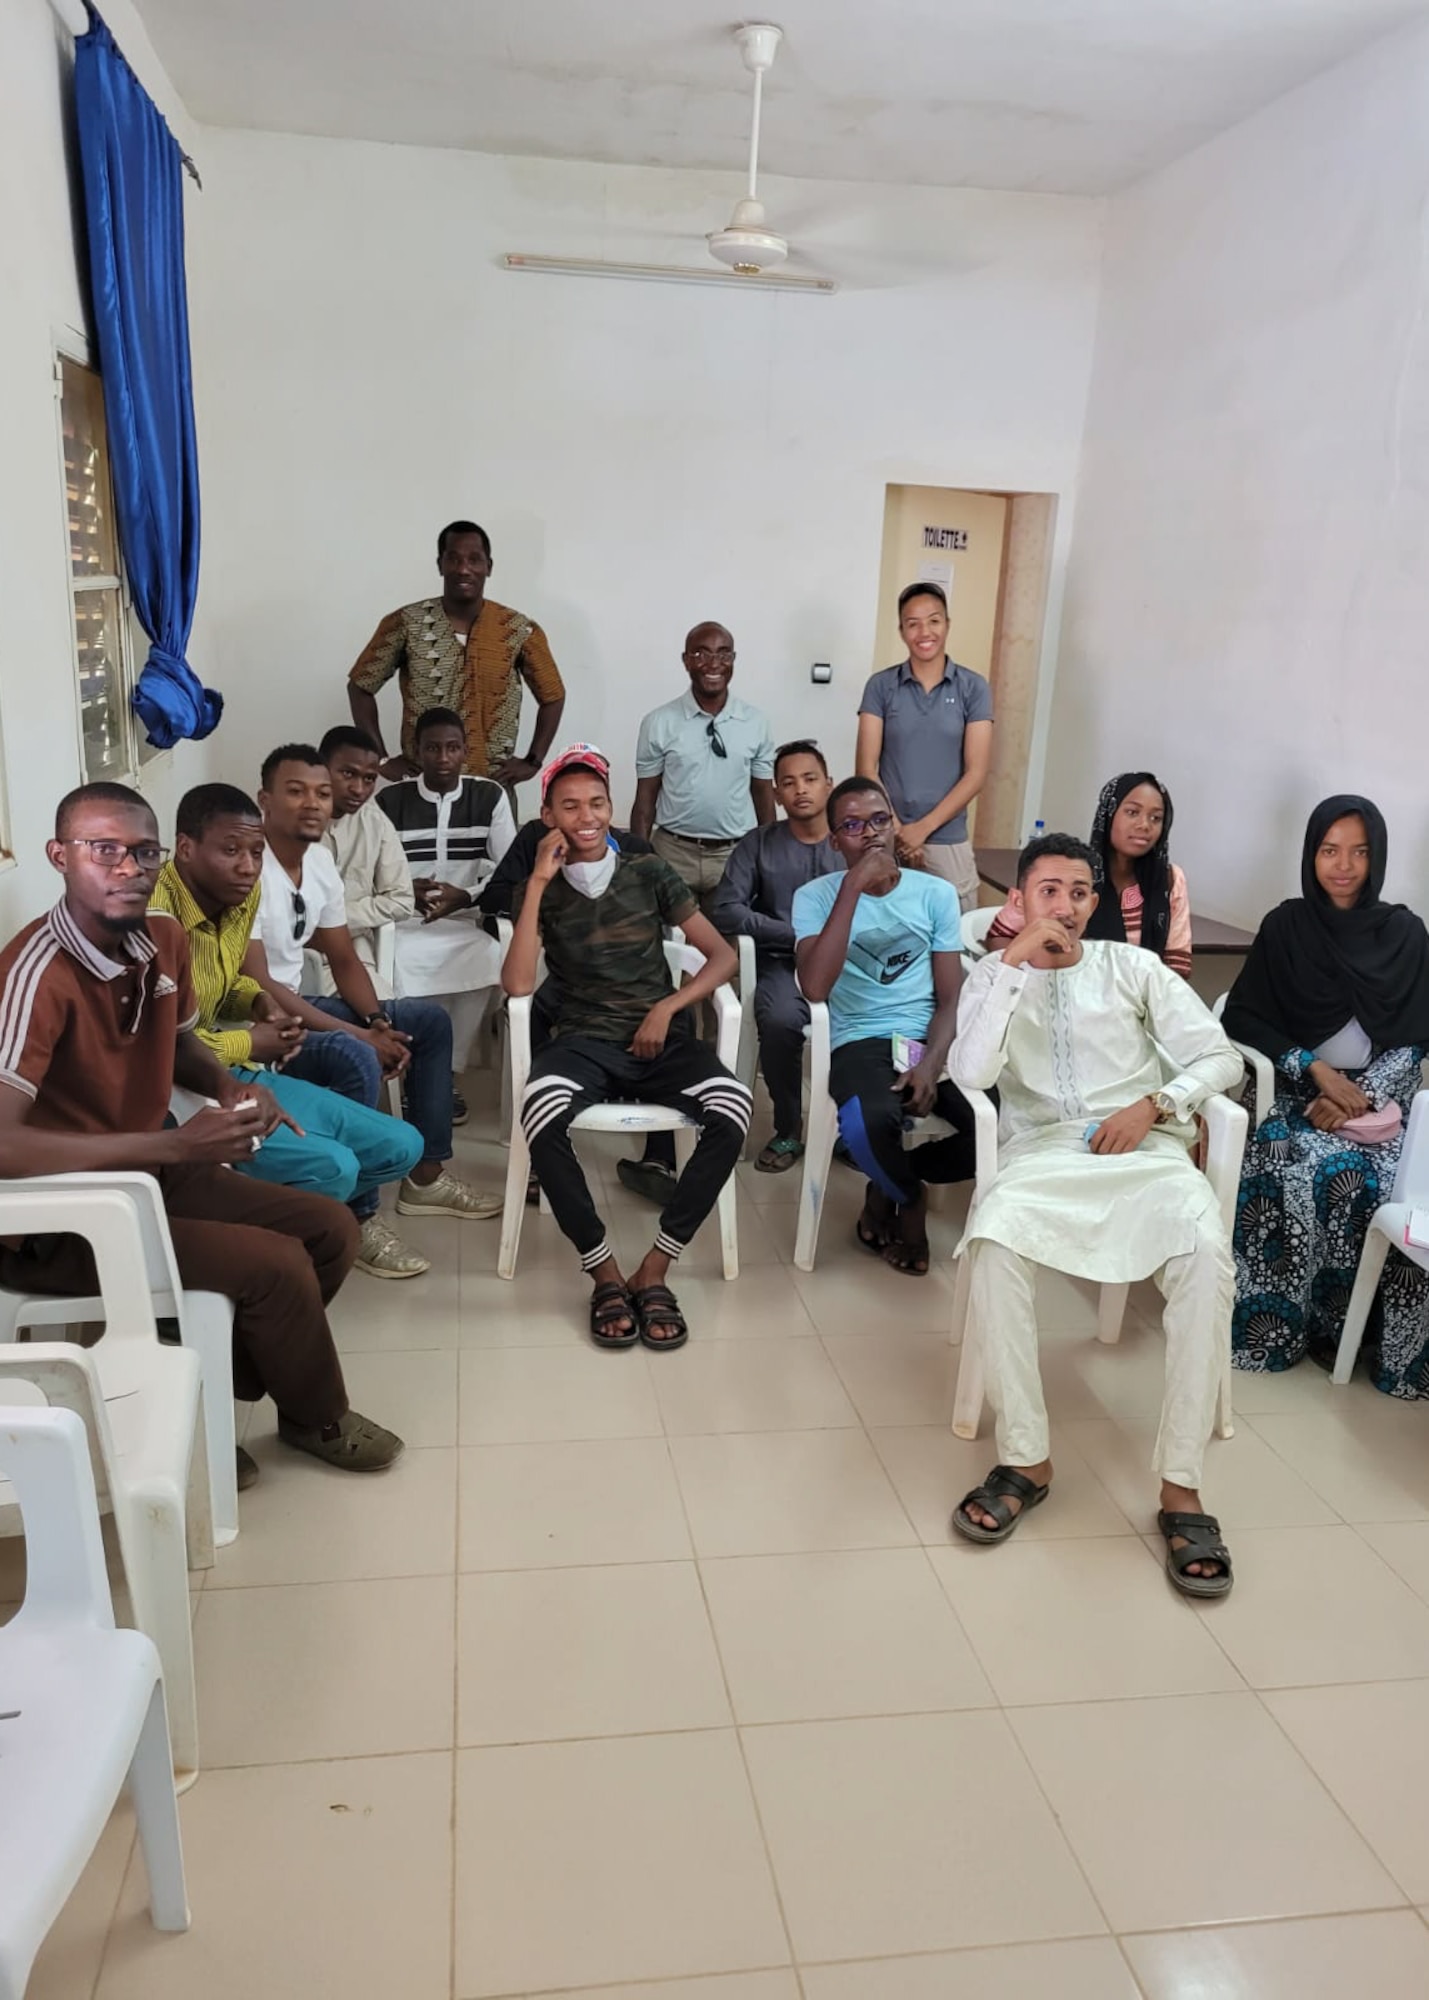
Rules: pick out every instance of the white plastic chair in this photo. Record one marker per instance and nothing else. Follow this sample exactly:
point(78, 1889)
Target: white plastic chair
point(683, 961)
point(1262, 1070)
point(83, 1705)
point(205, 1319)
point(384, 949)
point(1226, 1125)
point(1386, 1230)
point(747, 1058)
point(823, 1130)
point(143, 1411)
point(975, 926)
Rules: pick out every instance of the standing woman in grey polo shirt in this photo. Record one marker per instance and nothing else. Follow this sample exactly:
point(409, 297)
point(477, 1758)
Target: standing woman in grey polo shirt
point(925, 732)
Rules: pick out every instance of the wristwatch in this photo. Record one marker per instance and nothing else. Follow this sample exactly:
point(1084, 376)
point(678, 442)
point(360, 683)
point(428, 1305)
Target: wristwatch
point(1164, 1106)
point(377, 1020)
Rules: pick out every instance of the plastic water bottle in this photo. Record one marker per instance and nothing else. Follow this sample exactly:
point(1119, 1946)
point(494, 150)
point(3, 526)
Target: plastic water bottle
point(1039, 827)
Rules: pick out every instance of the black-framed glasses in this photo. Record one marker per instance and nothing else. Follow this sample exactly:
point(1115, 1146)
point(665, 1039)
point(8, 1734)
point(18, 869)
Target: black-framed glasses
point(147, 855)
point(716, 740)
point(875, 823)
point(300, 916)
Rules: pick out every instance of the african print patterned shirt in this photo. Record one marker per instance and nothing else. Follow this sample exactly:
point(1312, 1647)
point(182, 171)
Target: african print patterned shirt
point(606, 953)
point(481, 681)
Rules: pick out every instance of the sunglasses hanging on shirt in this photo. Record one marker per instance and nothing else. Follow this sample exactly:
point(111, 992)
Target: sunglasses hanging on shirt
point(300, 916)
point(716, 740)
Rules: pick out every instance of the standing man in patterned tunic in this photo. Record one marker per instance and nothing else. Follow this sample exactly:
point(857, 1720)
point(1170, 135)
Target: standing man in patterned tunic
point(464, 652)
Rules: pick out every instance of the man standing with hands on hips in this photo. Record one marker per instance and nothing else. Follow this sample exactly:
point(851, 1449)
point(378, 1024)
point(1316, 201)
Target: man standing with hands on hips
point(704, 768)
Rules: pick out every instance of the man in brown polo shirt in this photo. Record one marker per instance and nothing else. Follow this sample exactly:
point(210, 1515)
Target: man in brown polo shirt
point(96, 1027)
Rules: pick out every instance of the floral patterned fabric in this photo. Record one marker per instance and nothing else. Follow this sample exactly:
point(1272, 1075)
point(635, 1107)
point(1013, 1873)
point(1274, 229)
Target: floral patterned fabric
point(1304, 1205)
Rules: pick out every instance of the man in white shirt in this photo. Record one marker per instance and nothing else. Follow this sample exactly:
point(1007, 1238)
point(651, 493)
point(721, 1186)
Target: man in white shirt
point(376, 881)
point(359, 1039)
point(704, 769)
point(1100, 1055)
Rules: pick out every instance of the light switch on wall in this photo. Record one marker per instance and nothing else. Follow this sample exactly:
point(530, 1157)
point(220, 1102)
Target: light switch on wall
point(821, 673)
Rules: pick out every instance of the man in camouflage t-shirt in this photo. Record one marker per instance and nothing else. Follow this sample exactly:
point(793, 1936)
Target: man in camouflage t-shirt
point(622, 1030)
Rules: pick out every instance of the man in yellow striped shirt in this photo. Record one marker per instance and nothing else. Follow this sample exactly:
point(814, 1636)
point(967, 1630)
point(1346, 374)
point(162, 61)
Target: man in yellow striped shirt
point(344, 1149)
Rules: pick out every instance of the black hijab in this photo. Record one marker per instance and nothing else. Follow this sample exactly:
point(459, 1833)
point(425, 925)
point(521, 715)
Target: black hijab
point(1313, 968)
point(1153, 870)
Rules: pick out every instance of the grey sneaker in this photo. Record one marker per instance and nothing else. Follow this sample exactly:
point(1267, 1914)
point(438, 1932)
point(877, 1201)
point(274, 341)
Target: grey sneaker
point(382, 1254)
point(352, 1444)
point(247, 1469)
point(446, 1195)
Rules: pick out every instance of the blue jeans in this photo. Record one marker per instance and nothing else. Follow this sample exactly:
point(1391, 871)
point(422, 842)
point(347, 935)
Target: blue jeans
point(342, 1063)
point(347, 1151)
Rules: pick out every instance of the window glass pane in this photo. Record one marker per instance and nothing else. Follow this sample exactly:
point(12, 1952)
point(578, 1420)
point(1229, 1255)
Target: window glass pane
point(101, 683)
point(92, 545)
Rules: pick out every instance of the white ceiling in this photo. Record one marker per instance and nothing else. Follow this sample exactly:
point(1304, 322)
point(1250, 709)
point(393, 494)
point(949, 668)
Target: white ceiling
point(1061, 96)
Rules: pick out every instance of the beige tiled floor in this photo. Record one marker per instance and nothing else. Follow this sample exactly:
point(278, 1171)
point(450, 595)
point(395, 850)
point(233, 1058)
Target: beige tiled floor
point(661, 1677)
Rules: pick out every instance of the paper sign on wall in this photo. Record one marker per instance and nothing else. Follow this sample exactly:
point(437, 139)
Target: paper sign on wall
point(940, 573)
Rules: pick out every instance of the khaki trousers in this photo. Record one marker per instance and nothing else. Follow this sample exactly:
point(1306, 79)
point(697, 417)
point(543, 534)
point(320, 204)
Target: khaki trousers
point(700, 868)
point(955, 863)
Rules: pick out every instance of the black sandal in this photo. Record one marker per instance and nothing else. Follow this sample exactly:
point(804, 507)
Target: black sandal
point(608, 1303)
point(1001, 1481)
point(1200, 1535)
point(656, 1305)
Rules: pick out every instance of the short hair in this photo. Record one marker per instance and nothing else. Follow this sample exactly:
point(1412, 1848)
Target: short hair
point(912, 590)
point(1063, 846)
point(805, 747)
point(199, 808)
point(462, 528)
point(577, 771)
point(437, 718)
point(847, 788)
point(101, 793)
point(288, 753)
point(347, 736)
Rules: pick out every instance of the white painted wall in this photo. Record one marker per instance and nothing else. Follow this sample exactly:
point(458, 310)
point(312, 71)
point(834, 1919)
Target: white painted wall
point(1248, 600)
point(644, 456)
point(40, 300)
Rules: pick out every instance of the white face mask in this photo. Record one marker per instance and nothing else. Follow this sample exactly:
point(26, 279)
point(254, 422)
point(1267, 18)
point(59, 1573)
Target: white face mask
point(591, 878)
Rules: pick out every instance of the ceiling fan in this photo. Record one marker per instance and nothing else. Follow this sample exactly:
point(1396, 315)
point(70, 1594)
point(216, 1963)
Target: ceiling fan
point(745, 243)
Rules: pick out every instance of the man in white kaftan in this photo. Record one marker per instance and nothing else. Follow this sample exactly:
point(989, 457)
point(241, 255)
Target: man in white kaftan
point(1100, 1056)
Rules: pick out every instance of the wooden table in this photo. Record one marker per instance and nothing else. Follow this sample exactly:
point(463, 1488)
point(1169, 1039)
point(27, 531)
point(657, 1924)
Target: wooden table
point(998, 866)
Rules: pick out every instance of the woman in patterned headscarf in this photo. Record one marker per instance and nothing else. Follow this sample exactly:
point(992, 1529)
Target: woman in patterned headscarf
point(1142, 893)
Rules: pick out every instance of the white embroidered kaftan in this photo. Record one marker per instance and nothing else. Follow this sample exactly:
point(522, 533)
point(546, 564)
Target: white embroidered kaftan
point(1066, 1049)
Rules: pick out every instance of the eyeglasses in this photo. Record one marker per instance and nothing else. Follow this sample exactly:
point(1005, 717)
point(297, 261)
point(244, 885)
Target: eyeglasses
point(148, 857)
point(716, 740)
point(300, 916)
point(710, 653)
point(875, 823)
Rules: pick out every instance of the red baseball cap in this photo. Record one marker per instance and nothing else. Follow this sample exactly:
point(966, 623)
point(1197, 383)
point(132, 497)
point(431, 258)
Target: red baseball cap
point(574, 754)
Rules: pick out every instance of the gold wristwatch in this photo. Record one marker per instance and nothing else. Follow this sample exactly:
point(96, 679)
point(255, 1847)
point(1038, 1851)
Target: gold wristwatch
point(1164, 1106)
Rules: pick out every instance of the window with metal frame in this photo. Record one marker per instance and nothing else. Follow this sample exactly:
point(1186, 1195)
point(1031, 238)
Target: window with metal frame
point(112, 744)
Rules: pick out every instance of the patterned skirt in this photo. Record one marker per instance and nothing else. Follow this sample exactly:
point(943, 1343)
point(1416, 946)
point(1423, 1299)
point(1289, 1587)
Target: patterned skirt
point(1305, 1201)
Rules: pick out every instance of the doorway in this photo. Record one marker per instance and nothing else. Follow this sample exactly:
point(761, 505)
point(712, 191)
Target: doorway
point(991, 553)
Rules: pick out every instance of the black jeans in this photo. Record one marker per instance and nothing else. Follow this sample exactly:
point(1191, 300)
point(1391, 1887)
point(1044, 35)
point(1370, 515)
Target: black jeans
point(871, 1119)
point(781, 1014)
point(577, 1071)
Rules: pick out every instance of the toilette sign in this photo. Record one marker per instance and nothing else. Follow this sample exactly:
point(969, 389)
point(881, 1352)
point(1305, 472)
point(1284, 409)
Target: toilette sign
point(945, 538)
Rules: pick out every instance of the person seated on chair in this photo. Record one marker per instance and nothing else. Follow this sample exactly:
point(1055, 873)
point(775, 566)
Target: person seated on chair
point(453, 830)
point(354, 1040)
point(1101, 1055)
point(376, 881)
point(97, 1020)
point(621, 1030)
point(652, 1176)
point(334, 1145)
point(881, 944)
point(1336, 992)
point(755, 899)
point(1141, 893)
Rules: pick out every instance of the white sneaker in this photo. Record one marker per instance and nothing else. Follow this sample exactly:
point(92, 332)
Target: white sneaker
point(446, 1195)
point(384, 1255)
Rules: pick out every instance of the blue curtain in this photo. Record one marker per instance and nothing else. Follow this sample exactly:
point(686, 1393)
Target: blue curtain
point(133, 197)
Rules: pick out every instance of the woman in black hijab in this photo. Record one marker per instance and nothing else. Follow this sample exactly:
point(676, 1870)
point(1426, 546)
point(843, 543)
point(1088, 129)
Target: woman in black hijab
point(1336, 992)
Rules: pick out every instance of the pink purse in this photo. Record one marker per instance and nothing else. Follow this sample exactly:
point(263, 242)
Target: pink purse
point(1374, 1127)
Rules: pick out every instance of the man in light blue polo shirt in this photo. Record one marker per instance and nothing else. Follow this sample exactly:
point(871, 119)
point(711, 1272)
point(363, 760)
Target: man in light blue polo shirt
point(881, 945)
point(704, 768)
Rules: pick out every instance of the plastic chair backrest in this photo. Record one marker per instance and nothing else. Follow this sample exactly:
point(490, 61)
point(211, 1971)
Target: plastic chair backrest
point(121, 1216)
point(45, 1454)
point(1411, 1176)
point(384, 952)
point(67, 1377)
point(975, 926)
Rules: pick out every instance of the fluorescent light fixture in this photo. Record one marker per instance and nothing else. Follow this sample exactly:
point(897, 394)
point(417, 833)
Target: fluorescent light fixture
point(668, 274)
